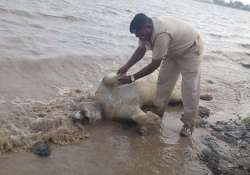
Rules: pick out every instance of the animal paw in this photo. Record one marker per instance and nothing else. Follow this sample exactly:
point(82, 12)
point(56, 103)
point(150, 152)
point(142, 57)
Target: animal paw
point(152, 118)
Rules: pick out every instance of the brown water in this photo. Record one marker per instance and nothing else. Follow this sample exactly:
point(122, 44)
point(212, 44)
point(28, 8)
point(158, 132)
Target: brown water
point(113, 150)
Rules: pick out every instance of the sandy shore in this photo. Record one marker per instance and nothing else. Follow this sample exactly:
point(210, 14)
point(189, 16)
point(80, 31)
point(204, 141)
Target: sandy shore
point(38, 95)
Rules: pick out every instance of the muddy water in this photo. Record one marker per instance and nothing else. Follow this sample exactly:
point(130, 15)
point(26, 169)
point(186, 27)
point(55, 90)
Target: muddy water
point(110, 150)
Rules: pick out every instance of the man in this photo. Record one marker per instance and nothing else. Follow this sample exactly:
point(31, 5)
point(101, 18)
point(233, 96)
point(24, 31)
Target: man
point(178, 49)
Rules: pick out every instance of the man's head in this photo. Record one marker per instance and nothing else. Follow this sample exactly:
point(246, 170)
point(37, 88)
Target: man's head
point(142, 27)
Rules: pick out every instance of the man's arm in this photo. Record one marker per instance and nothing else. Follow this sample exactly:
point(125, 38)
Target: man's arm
point(148, 69)
point(159, 51)
point(137, 55)
point(143, 72)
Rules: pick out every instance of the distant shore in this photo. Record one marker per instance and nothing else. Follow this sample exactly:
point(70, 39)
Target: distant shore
point(235, 4)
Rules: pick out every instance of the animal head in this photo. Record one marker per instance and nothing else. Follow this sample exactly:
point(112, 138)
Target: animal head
point(88, 112)
point(110, 80)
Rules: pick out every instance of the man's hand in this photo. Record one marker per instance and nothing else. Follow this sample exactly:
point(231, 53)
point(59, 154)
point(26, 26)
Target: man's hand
point(138, 54)
point(123, 70)
point(124, 79)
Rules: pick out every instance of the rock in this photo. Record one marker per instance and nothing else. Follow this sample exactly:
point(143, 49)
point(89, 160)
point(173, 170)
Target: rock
point(216, 127)
point(210, 81)
point(227, 150)
point(204, 112)
point(201, 123)
point(78, 91)
point(219, 160)
point(211, 159)
point(41, 148)
point(230, 132)
point(245, 65)
point(223, 137)
point(210, 154)
point(246, 120)
point(248, 169)
point(206, 97)
point(41, 115)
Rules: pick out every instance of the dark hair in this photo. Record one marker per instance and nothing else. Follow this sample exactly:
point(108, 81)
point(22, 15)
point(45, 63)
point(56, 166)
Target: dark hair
point(137, 23)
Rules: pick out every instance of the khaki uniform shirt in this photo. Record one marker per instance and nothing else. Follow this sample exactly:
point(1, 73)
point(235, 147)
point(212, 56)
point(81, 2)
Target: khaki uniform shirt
point(170, 37)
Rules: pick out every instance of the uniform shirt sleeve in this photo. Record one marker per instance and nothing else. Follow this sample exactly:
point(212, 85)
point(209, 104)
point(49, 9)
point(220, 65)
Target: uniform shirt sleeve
point(161, 45)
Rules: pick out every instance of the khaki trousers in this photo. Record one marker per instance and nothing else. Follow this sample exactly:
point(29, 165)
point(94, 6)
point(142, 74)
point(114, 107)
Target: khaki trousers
point(188, 65)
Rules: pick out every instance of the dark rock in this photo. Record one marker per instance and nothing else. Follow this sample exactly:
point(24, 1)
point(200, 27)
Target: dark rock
point(245, 65)
point(203, 112)
point(201, 123)
point(78, 91)
point(210, 81)
point(211, 159)
point(210, 155)
point(206, 97)
point(230, 132)
point(219, 161)
point(228, 152)
point(223, 137)
point(246, 121)
point(211, 143)
point(41, 115)
point(221, 123)
point(248, 169)
point(216, 127)
point(41, 148)
point(237, 134)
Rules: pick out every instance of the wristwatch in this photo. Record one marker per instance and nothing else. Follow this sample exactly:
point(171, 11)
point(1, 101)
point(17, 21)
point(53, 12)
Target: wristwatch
point(132, 78)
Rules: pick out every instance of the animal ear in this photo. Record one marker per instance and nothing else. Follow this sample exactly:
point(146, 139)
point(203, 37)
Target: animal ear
point(83, 112)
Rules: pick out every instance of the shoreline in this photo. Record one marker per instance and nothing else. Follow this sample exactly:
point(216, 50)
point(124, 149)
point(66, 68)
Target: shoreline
point(235, 5)
point(222, 76)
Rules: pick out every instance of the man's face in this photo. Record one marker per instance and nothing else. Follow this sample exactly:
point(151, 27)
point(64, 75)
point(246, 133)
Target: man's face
point(144, 34)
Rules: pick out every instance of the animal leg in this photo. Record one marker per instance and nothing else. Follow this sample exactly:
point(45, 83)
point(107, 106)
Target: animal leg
point(145, 119)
